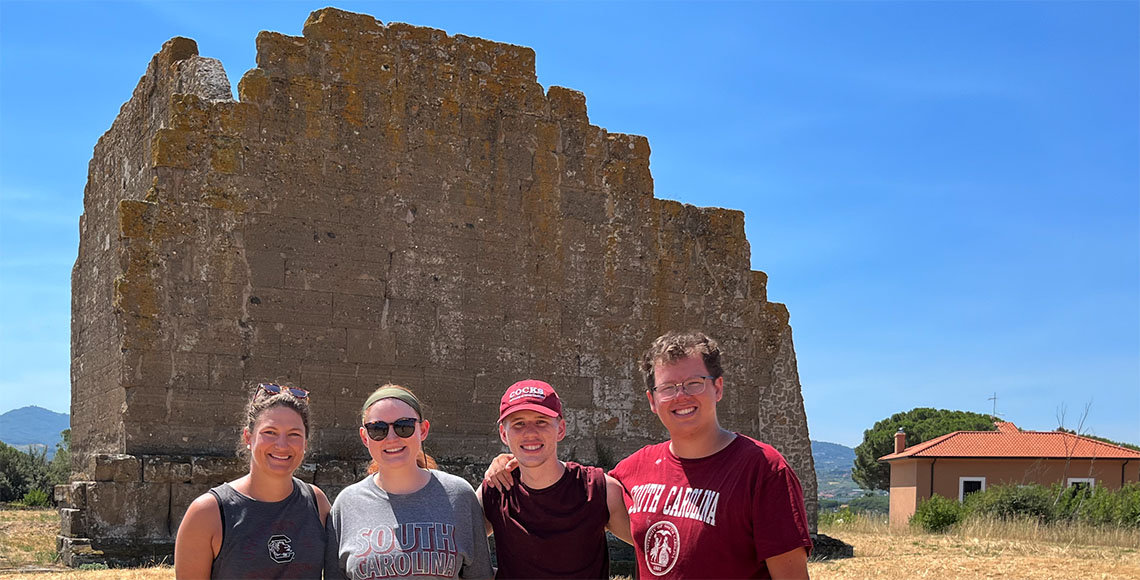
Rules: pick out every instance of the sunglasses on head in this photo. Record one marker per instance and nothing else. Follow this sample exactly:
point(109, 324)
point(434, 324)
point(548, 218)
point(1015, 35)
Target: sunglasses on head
point(404, 428)
point(275, 389)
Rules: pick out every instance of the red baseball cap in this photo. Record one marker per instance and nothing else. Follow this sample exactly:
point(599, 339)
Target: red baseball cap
point(530, 395)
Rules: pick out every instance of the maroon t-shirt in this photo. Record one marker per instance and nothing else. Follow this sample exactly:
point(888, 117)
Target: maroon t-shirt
point(554, 532)
point(719, 516)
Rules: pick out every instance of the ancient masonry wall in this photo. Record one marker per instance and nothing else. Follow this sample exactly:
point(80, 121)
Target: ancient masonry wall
point(384, 203)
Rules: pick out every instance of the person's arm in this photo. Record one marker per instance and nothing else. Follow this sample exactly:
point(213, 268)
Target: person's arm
point(618, 523)
point(789, 565)
point(323, 505)
point(333, 569)
point(499, 474)
point(479, 565)
point(198, 540)
point(486, 522)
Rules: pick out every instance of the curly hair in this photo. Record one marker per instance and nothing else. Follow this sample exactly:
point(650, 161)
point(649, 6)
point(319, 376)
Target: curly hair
point(674, 346)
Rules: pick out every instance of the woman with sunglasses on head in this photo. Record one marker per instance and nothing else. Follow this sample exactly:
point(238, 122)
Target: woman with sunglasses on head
point(405, 519)
point(266, 523)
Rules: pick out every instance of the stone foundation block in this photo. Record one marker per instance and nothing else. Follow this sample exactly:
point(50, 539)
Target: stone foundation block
point(62, 494)
point(77, 494)
point(217, 470)
point(156, 469)
point(181, 472)
point(128, 510)
point(115, 467)
point(76, 552)
point(306, 472)
point(335, 472)
point(72, 522)
point(181, 496)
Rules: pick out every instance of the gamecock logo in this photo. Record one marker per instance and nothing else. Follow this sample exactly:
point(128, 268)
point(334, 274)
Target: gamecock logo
point(280, 549)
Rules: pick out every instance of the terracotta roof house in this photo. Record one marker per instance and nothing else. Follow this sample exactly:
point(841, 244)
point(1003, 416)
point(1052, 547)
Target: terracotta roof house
point(959, 463)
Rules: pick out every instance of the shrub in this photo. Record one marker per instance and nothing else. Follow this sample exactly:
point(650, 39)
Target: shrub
point(937, 514)
point(837, 517)
point(35, 497)
point(1013, 502)
point(1100, 506)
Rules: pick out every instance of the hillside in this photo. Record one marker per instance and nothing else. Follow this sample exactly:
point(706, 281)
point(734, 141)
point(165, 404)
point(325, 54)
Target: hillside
point(32, 425)
point(833, 464)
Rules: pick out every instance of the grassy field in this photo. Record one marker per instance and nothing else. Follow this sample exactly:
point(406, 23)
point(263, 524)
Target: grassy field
point(978, 550)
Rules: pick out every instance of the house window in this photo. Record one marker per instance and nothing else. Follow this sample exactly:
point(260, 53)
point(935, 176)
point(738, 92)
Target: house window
point(1085, 482)
point(968, 485)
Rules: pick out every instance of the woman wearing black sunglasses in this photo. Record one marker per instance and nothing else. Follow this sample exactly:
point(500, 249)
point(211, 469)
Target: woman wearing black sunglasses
point(405, 519)
point(266, 523)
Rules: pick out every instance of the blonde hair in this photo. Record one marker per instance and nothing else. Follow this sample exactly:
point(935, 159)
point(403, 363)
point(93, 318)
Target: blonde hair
point(390, 391)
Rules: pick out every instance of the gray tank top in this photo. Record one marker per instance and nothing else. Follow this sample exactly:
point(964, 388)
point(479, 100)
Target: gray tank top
point(281, 539)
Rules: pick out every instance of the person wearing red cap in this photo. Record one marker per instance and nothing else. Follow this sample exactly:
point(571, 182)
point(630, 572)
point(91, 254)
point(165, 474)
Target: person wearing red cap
point(708, 503)
point(553, 524)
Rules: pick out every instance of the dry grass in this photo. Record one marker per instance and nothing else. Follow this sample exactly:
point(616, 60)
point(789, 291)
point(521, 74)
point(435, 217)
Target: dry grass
point(982, 549)
point(27, 550)
point(27, 537)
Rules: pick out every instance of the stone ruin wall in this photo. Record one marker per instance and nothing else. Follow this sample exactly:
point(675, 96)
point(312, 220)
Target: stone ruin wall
point(384, 203)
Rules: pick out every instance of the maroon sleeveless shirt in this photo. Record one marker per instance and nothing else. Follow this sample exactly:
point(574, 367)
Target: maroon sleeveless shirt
point(555, 532)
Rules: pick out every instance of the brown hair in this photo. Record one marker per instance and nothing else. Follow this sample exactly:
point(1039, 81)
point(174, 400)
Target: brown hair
point(261, 400)
point(674, 346)
point(425, 460)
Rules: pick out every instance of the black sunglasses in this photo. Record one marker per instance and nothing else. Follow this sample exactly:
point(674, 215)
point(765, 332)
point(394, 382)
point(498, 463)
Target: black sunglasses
point(275, 389)
point(378, 430)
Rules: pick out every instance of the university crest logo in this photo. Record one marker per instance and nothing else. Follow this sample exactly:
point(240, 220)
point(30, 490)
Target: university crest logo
point(280, 549)
point(662, 543)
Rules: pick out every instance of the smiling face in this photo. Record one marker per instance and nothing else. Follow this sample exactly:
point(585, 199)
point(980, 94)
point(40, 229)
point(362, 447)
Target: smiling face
point(277, 442)
point(394, 452)
point(532, 437)
point(686, 415)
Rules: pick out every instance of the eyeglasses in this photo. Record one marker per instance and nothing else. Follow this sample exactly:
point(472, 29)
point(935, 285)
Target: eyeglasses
point(275, 389)
point(690, 386)
point(378, 430)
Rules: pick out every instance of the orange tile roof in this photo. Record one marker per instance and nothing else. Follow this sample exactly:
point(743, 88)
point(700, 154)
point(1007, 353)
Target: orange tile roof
point(1008, 442)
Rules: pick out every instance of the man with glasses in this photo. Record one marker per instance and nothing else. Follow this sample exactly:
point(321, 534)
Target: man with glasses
point(708, 503)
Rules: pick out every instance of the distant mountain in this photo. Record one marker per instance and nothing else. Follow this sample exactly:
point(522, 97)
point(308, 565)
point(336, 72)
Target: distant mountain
point(833, 464)
point(32, 425)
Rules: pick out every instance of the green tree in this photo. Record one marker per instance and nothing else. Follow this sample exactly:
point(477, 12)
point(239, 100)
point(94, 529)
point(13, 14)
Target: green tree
point(921, 424)
point(1131, 446)
point(59, 470)
point(20, 472)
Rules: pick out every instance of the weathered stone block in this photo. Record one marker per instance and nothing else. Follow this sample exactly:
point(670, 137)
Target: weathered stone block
point(77, 494)
point(306, 471)
point(128, 510)
point(116, 467)
point(156, 469)
point(335, 473)
point(217, 470)
point(181, 472)
point(181, 496)
point(62, 494)
point(72, 522)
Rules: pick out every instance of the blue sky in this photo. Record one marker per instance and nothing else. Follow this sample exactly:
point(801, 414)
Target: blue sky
point(946, 195)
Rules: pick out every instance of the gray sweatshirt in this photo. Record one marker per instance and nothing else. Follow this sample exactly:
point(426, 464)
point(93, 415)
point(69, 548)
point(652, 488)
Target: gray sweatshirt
point(436, 532)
